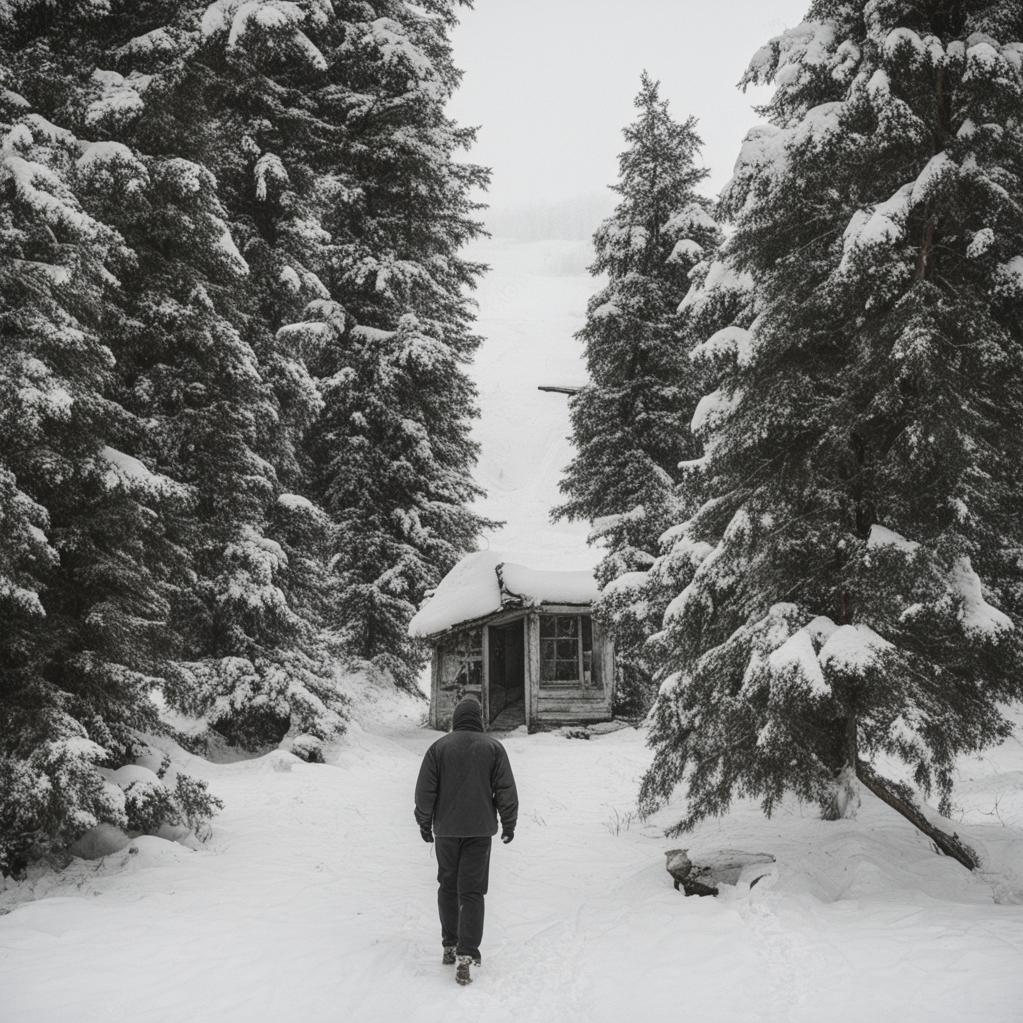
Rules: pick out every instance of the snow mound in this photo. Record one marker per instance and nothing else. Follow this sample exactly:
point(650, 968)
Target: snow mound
point(151, 851)
point(98, 842)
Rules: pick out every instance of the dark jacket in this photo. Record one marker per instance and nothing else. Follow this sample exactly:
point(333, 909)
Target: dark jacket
point(466, 780)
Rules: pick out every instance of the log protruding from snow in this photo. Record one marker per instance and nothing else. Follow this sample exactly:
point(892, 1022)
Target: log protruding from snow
point(727, 866)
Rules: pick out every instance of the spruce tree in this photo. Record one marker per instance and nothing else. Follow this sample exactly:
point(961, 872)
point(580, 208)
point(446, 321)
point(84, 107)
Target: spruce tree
point(392, 454)
point(349, 208)
point(222, 405)
point(241, 87)
point(253, 166)
point(630, 423)
point(855, 587)
point(225, 396)
point(89, 567)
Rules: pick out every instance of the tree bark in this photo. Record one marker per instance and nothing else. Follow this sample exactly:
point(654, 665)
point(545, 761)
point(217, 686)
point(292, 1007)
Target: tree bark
point(950, 845)
point(923, 259)
point(852, 749)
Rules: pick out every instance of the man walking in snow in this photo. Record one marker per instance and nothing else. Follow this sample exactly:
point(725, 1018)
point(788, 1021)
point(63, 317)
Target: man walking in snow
point(464, 783)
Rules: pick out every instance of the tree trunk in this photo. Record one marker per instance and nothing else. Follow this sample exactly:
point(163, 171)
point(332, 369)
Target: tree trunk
point(950, 845)
point(923, 259)
point(845, 798)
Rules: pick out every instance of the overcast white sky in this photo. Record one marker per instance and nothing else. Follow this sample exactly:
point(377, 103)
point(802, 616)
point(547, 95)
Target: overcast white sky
point(551, 84)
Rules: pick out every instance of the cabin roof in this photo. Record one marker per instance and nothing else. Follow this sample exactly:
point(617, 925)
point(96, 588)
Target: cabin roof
point(484, 583)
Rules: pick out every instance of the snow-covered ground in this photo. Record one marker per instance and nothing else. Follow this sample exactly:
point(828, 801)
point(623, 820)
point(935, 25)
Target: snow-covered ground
point(314, 900)
point(530, 306)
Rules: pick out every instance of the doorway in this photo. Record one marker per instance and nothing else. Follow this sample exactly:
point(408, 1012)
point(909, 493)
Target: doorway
point(507, 675)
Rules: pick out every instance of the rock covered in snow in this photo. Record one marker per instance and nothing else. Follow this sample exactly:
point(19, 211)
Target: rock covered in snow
point(727, 866)
point(99, 841)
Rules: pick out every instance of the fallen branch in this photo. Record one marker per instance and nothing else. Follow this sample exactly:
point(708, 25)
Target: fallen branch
point(887, 792)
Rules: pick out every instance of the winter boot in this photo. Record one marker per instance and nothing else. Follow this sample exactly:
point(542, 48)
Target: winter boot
point(449, 955)
point(462, 974)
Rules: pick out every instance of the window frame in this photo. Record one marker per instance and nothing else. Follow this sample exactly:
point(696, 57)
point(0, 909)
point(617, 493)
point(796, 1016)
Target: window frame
point(583, 678)
point(460, 649)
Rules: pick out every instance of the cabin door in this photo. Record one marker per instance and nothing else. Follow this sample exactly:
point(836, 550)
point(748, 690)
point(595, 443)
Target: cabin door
point(507, 675)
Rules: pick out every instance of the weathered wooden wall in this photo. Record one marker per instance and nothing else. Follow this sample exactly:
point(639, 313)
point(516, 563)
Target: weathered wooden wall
point(547, 705)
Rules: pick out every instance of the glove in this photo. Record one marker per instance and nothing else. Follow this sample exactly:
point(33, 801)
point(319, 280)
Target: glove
point(427, 834)
point(507, 835)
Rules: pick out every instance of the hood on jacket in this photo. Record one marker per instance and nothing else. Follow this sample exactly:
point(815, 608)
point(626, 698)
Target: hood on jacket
point(468, 715)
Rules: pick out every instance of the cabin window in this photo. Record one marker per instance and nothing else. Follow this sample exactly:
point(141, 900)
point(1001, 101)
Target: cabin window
point(566, 650)
point(461, 664)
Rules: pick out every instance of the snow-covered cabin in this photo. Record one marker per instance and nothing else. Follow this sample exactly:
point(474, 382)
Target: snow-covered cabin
point(524, 641)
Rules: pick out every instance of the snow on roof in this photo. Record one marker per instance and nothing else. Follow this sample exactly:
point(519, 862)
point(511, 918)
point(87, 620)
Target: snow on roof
point(539, 586)
point(484, 583)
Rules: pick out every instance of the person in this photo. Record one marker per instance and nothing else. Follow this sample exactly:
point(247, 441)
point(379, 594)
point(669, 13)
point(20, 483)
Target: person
point(464, 783)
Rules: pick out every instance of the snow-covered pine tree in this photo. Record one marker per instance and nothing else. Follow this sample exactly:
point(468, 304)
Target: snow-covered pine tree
point(710, 320)
point(88, 567)
point(393, 457)
point(234, 95)
point(224, 405)
point(392, 454)
point(857, 594)
point(630, 423)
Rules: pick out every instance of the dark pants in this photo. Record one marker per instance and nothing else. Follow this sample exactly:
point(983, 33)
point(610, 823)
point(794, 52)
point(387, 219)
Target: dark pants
point(463, 872)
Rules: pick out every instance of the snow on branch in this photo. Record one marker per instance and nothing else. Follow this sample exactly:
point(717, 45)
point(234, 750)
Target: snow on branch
point(273, 19)
point(120, 99)
point(853, 649)
point(129, 473)
point(881, 536)
point(730, 340)
point(976, 614)
point(269, 169)
point(712, 410)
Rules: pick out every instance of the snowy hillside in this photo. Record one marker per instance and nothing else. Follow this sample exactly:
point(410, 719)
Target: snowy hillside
point(314, 900)
point(530, 306)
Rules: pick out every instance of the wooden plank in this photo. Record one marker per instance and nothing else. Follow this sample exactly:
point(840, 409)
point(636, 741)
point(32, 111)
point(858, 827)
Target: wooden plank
point(552, 702)
point(565, 609)
point(604, 659)
point(556, 720)
point(573, 717)
point(532, 626)
point(560, 702)
point(434, 686)
point(598, 656)
point(501, 617)
point(485, 674)
point(609, 670)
